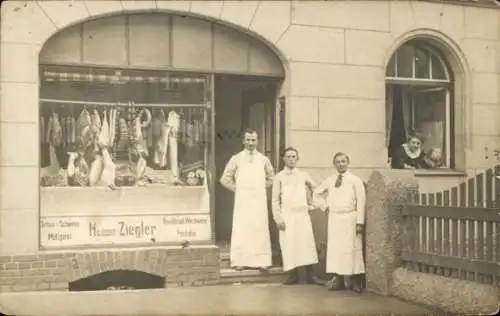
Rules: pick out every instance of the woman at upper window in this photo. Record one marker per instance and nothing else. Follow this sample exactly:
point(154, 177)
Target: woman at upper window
point(410, 154)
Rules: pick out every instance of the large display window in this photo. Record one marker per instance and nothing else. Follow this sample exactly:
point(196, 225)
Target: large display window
point(124, 156)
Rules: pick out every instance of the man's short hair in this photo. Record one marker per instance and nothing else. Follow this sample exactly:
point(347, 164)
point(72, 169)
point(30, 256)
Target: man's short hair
point(340, 154)
point(249, 131)
point(290, 149)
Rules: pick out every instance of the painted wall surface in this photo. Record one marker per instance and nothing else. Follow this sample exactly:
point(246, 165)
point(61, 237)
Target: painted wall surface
point(335, 54)
point(160, 41)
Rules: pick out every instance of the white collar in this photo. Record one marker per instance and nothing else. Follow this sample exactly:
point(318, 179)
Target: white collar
point(344, 174)
point(290, 171)
point(410, 154)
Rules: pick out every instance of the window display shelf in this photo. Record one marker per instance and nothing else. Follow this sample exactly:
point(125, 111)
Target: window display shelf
point(152, 199)
point(123, 104)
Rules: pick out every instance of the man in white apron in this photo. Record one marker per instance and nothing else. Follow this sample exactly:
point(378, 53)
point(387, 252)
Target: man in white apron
point(344, 194)
point(248, 174)
point(291, 213)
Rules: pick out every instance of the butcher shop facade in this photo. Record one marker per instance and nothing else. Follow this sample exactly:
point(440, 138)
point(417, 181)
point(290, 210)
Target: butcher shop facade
point(128, 132)
point(128, 111)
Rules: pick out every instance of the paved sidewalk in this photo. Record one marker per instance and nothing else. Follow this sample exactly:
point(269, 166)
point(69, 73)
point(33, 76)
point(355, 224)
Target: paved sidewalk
point(215, 300)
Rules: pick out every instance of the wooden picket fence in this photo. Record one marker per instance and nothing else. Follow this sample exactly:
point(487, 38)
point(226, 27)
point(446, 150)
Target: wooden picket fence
point(456, 232)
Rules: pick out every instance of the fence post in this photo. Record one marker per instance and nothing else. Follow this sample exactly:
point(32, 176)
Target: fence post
point(387, 190)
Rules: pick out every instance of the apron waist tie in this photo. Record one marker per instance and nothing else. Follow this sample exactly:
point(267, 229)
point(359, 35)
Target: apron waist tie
point(342, 211)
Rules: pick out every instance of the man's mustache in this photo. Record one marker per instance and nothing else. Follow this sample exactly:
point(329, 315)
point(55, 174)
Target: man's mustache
point(223, 135)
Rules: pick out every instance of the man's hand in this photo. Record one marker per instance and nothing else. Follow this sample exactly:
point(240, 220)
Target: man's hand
point(231, 187)
point(311, 208)
point(360, 228)
point(281, 225)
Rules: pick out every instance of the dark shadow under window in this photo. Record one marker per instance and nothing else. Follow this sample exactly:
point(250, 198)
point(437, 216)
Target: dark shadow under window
point(118, 280)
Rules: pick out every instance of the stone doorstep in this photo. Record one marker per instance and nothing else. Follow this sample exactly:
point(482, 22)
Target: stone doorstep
point(230, 276)
point(225, 260)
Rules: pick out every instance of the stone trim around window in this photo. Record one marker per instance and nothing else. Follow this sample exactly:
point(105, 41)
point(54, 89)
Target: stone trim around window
point(439, 173)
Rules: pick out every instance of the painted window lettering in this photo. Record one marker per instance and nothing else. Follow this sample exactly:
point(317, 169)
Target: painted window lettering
point(116, 229)
point(59, 236)
point(94, 230)
point(138, 231)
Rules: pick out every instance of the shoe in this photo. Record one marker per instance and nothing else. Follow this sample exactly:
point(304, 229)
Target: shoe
point(334, 284)
point(293, 278)
point(112, 187)
point(357, 288)
point(310, 278)
point(264, 269)
point(318, 281)
point(239, 268)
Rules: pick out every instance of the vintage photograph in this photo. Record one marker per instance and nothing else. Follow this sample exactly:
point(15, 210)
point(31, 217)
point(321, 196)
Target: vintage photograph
point(177, 157)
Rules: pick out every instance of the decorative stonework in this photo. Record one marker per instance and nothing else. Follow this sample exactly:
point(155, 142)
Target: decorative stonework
point(479, 3)
point(53, 271)
point(459, 297)
point(385, 191)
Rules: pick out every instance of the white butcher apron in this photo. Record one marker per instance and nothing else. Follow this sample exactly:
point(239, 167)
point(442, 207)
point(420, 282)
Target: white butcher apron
point(250, 238)
point(298, 247)
point(344, 247)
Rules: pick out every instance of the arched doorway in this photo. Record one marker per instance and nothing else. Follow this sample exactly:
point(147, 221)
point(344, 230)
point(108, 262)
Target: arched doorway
point(420, 99)
point(191, 84)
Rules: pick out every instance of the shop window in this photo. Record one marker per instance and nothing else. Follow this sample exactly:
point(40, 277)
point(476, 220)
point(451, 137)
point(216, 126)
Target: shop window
point(123, 156)
point(418, 103)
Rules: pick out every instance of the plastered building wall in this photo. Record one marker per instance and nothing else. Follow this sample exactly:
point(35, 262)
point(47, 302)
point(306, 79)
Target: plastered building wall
point(334, 52)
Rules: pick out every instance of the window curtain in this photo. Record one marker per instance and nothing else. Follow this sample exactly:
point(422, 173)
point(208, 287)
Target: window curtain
point(407, 112)
point(434, 134)
point(431, 120)
point(389, 110)
point(432, 123)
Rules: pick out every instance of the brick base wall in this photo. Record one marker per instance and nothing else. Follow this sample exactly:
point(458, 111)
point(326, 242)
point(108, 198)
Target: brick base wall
point(45, 271)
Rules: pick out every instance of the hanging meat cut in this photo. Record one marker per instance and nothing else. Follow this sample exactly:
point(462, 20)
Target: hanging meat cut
point(83, 122)
point(54, 132)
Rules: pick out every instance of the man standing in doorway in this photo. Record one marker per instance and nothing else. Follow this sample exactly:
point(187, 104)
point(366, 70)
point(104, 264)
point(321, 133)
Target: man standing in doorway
point(344, 194)
point(291, 207)
point(248, 174)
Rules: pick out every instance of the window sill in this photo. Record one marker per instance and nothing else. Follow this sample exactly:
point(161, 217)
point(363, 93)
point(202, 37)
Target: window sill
point(440, 173)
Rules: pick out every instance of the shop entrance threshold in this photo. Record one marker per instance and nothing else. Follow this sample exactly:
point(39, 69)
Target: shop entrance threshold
point(230, 276)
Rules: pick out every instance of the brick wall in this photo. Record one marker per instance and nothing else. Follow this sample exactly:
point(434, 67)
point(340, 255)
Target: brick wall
point(53, 271)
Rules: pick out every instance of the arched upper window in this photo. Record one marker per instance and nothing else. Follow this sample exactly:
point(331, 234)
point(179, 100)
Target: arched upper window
point(420, 116)
point(419, 62)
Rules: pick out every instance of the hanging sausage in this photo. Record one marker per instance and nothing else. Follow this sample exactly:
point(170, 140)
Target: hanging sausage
point(109, 168)
point(42, 129)
point(123, 130)
point(73, 130)
point(160, 134)
point(54, 138)
point(173, 123)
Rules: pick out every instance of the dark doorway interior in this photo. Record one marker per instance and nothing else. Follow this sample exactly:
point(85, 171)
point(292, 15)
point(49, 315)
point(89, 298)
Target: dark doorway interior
point(118, 280)
point(242, 102)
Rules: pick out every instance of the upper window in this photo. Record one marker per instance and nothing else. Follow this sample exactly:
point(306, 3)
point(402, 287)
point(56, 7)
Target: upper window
point(418, 62)
point(419, 120)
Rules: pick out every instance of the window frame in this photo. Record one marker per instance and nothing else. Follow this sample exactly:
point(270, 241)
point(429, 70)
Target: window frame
point(431, 53)
point(447, 84)
point(80, 72)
